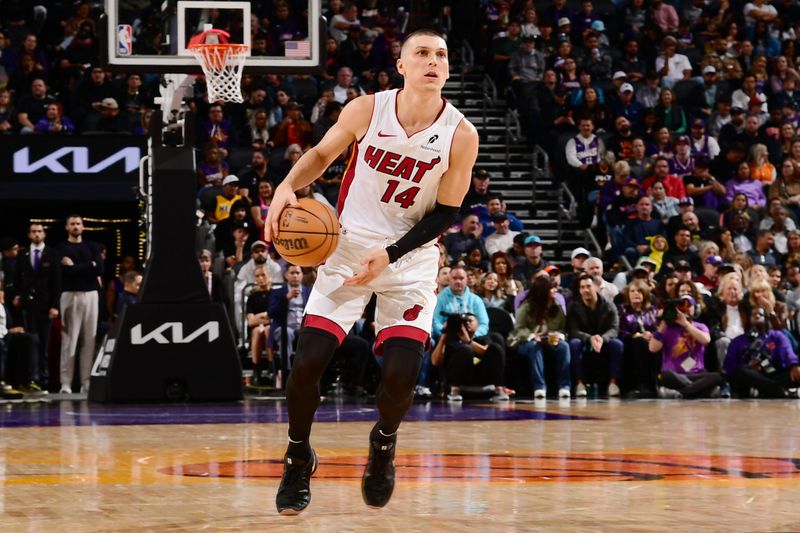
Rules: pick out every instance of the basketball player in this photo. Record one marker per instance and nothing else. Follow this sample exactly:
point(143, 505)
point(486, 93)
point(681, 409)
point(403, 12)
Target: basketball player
point(409, 171)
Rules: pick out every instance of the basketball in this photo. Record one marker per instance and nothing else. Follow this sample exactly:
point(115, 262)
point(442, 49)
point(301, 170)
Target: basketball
point(308, 233)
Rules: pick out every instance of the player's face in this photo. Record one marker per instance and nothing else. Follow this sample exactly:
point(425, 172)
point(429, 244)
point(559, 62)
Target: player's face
point(424, 63)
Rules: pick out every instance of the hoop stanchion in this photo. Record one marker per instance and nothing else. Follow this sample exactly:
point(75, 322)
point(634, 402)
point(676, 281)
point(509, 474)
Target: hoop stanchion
point(222, 65)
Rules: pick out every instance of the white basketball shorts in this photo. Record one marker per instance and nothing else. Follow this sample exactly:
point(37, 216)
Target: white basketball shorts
point(406, 292)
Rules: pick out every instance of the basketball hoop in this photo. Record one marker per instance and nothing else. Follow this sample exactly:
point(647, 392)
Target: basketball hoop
point(222, 65)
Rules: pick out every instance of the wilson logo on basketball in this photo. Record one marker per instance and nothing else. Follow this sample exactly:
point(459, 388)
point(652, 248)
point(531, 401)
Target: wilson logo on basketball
point(413, 313)
point(299, 243)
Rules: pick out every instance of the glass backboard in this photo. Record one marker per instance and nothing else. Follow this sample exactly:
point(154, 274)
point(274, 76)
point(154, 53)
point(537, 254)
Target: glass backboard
point(152, 35)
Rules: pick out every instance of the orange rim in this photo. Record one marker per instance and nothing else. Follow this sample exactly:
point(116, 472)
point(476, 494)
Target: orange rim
point(215, 55)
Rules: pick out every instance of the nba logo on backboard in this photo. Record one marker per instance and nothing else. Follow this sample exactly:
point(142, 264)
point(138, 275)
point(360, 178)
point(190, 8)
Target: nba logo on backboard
point(124, 40)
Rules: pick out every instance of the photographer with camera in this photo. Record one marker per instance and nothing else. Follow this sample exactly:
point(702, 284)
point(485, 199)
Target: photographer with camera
point(682, 343)
point(461, 334)
point(762, 359)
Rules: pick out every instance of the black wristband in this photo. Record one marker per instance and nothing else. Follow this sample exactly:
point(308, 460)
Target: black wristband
point(393, 252)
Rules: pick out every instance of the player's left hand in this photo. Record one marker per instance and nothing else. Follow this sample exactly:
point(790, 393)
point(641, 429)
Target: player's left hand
point(371, 266)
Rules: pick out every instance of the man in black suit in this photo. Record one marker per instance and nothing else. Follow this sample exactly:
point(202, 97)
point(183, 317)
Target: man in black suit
point(37, 294)
point(286, 306)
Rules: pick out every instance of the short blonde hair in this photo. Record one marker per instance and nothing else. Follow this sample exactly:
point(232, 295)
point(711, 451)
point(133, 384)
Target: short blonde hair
point(727, 279)
point(761, 285)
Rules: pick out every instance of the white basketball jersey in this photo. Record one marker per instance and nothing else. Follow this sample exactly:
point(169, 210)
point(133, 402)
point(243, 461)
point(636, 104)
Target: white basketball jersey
point(392, 179)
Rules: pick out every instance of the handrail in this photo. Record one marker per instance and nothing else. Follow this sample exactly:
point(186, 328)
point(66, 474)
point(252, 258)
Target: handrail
point(489, 97)
point(513, 134)
point(595, 243)
point(467, 62)
point(570, 211)
point(537, 171)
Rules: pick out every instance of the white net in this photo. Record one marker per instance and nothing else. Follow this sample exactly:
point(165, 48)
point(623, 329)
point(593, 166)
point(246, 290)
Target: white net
point(222, 65)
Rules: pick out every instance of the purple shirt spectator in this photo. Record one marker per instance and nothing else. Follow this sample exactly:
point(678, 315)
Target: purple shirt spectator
point(773, 341)
point(632, 322)
point(681, 353)
point(752, 189)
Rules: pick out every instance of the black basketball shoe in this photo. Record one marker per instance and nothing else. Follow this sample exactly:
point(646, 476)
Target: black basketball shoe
point(294, 493)
point(377, 484)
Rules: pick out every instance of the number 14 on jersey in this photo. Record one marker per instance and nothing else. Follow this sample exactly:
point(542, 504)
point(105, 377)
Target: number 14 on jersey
point(404, 198)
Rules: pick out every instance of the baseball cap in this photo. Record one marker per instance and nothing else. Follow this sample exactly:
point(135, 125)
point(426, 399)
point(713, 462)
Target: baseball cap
point(714, 260)
point(698, 123)
point(632, 181)
point(619, 74)
point(564, 21)
point(646, 260)
point(683, 139)
point(686, 200)
point(109, 103)
point(598, 25)
point(257, 244)
point(756, 100)
point(552, 270)
point(709, 69)
point(499, 216)
point(626, 87)
point(725, 268)
point(529, 38)
point(481, 173)
point(688, 298)
point(533, 239)
point(682, 264)
point(736, 110)
point(206, 253)
point(579, 251)
point(230, 179)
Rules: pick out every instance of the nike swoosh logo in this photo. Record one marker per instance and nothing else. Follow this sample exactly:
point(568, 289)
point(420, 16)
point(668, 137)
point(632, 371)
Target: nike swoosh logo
point(381, 134)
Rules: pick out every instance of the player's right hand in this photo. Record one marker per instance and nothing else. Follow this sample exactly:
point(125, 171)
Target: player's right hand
point(284, 195)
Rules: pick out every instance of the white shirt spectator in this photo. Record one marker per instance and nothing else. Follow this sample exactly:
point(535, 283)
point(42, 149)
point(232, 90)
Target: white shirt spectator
point(713, 145)
point(499, 243)
point(740, 99)
point(766, 8)
point(677, 64)
point(336, 33)
point(574, 159)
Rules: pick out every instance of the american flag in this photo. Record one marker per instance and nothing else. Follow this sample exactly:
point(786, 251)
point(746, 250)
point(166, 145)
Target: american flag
point(297, 49)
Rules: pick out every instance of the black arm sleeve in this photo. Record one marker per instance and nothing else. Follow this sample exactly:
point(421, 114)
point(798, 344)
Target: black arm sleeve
point(431, 226)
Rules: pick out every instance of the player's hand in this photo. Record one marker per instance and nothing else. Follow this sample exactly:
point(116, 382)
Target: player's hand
point(371, 266)
point(283, 196)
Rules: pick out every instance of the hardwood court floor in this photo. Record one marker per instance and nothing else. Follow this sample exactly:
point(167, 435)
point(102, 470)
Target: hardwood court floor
point(597, 466)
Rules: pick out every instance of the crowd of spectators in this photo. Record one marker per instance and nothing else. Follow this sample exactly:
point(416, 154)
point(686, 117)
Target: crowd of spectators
point(698, 194)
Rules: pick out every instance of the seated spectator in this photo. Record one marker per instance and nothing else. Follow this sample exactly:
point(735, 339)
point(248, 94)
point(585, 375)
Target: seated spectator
point(762, 359)
point(492, 294)
point(779, 222)
point(261, 202)
point(682, 163)
point(592, 327)
point(594, 267)
point(650, 93)
point(475, 261)
point(672, 66)
point(760, 168)
point(327, 119)
point(211, 169)
point(494, 205)
point(502, 239)
point(682, 249)
point(673, 185)
point(54, 122)
point(665, 16)
point(457, 351)
point(741, 97)
point(294, 128)
point(637, 322)
point(639, 163)
point(258, 129)
point(721, 116)
point(635, 235)
point(222, 205)
point(258, 321)
point(540, 326)
point(661, 145)
point(8, 116)
point(733, 131)
point(588, 104)
point(477, 197)
point(704, 189)
point(728, 314)
point(286, 304)
point(90, 91)
point(131, 282)
point(32, 108)
point(743, 183)
point(458, 342)
point(762, 252)
point(621, 142)
point(682, 342)
point(212, 282)
point(233, 234)
point(534, 262)
point(762, 295)
point(218, 129)
point(666, 206)
point(710, 276)
point(469, 235)
point(502, 266)
point(18, 352)
point(257, 170)
point(670, 113)
point(110, 119)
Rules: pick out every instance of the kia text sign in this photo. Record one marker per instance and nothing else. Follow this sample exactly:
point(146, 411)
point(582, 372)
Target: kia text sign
point(80, 167)
point(172, 333)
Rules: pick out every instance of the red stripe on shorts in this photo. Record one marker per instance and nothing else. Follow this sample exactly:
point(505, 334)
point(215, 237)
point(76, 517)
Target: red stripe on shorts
point(407, 332)
point(325, 324)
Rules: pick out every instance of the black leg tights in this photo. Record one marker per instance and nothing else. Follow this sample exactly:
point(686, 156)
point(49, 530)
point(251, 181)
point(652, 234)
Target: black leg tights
point(402, 360)
point(315, 348)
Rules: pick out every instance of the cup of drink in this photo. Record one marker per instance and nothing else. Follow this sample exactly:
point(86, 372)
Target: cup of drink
point(553, 338)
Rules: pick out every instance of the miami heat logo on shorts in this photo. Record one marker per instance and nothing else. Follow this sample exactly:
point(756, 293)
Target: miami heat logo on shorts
point(411, 314)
